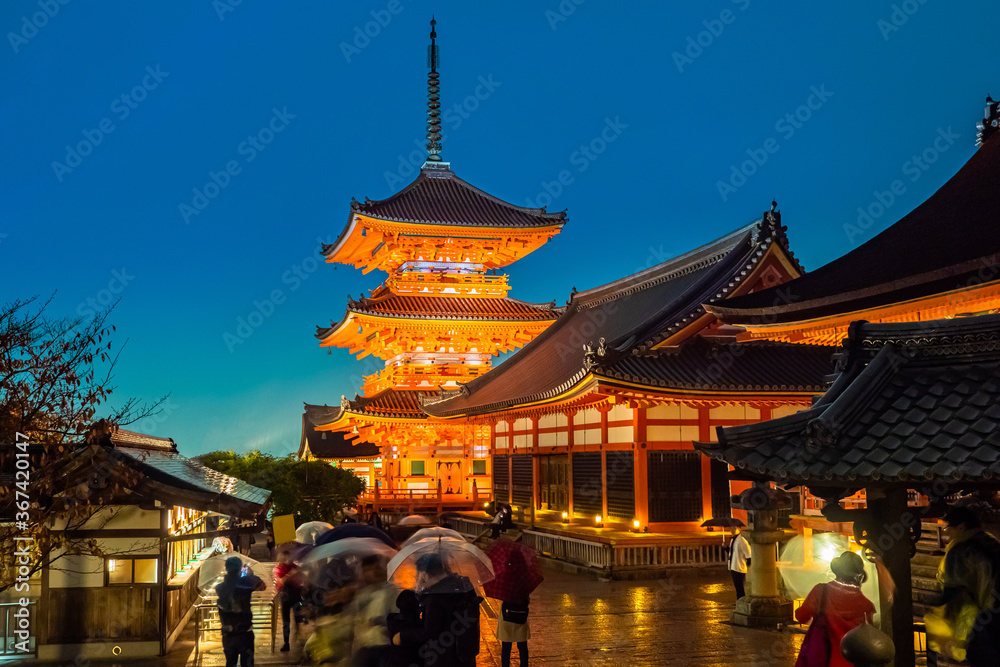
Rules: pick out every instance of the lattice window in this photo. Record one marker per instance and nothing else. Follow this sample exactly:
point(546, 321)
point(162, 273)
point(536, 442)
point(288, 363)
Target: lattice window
point(523, 480)
point(501, 483)
point(621, 485)
point(674, 486)
point(588, 496)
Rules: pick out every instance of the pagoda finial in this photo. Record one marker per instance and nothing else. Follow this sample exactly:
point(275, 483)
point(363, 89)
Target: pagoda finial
point(433, 100)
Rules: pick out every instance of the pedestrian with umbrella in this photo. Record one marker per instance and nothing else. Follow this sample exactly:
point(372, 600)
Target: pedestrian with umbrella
point(518, 573)
point(288, 583)
point(310, 531)
point(739, 552)
point(445, 575)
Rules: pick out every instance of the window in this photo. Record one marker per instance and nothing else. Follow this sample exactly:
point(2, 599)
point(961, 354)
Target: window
point(127, 571)
point(479, 467)
point(416, 467)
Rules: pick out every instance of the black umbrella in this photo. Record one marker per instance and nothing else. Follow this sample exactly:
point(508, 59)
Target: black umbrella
point(723, 522)
point(354, 530)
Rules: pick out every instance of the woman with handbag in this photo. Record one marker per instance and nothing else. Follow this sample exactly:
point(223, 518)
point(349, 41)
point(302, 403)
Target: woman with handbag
point(834, 608)
point(512, 628)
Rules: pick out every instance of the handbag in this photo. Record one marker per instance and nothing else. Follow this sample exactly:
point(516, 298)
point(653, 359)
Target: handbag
point(514, 613)
point(816, 647)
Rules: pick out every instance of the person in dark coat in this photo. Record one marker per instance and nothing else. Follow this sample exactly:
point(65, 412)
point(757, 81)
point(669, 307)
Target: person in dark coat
point(449, 636)
point(406, 621)
point(235, 614)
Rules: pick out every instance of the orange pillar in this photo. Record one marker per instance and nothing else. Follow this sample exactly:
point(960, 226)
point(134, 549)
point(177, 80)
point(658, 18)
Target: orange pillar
point(534, 464)
point(604, 462)
point(639, 461)
point(569, 465)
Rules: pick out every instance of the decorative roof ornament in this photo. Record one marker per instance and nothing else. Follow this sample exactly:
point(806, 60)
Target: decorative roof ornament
point(593, 357)
point(988, 126)
point(433, 100)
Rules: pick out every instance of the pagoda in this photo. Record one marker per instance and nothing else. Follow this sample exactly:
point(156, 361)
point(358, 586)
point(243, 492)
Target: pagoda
point(436, 322)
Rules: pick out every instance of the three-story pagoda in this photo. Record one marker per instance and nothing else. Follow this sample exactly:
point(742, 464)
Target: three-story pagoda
point(436, 322)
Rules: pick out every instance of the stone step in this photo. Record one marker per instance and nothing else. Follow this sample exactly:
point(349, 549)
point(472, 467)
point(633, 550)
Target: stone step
point(921, 570)
point(925, 583)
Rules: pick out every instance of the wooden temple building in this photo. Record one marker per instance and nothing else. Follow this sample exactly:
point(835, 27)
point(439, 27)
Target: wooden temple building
point(915, 407)
point(941, 260)
point(596, 417)
point(909, 418)
point(436, 322)
point(153, 528)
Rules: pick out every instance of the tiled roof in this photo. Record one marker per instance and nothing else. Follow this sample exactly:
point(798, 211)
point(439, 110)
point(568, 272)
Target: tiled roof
point(913, 402)
point(470, 308)
point(330, 444)
point(391, 403)
point(179, 471)
point(630, 314)
point(721, 366)
point(439, 197)
point(940, 246)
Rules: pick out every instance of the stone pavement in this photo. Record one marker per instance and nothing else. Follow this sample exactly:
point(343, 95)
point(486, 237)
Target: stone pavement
point(577, 621)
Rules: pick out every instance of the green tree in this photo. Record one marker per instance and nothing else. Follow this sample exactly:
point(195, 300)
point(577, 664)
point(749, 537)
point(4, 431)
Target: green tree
point(312, 491)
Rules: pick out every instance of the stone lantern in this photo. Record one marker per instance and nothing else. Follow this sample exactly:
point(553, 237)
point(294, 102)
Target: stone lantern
point(763, 606)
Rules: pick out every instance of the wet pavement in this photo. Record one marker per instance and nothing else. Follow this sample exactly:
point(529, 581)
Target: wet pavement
point(578, 621)
point(682, 619)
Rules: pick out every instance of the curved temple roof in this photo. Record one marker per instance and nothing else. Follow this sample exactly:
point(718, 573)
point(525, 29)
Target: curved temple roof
point(438, 197)
point(632, 315)
point(948, 242)
point(914, 402)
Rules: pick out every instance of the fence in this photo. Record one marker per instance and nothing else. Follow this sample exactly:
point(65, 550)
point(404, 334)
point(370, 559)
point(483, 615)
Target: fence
point(207, 624)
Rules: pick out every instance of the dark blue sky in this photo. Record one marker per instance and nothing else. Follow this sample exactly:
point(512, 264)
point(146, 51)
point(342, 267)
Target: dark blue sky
point(116, 112)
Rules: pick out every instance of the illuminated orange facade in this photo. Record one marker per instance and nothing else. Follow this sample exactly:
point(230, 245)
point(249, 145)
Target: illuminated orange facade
point(436, 323)
point(597, 416)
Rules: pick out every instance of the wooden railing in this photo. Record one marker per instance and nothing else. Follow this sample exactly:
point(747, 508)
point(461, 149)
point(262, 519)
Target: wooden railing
point(569, 549)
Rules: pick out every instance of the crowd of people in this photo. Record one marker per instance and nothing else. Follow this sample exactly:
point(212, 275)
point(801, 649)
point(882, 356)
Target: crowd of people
point(353, 615)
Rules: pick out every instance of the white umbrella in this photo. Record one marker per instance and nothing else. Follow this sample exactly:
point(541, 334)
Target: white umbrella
point(434, 532)
point(309, 531)
point(458, 557)
point(414, 520)
point(350, 546)
point(213, 570)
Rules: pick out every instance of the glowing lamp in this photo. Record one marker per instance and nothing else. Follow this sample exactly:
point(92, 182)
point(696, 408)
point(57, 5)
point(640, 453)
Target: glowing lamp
point(111, 565)
point(597, 520)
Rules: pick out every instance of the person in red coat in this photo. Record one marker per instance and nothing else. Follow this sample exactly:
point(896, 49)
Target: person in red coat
point(834, 608)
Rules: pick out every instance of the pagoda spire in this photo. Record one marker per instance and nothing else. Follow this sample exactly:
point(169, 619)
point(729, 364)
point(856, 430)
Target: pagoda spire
point(433, 101)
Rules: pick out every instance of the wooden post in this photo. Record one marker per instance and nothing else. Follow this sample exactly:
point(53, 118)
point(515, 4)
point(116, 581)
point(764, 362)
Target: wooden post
point(161, 567)
point(888, 508)
point(475, 495)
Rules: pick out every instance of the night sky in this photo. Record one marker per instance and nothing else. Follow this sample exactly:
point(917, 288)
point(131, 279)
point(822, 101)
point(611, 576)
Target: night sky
point(189, 157)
